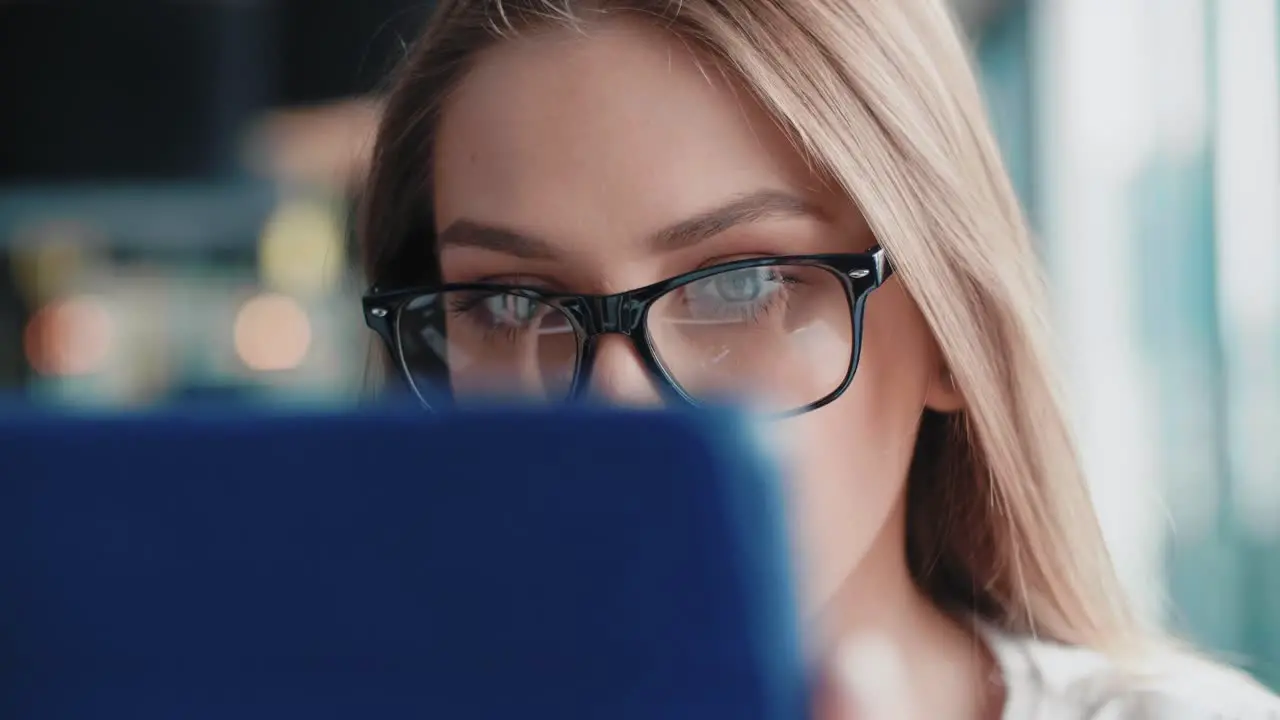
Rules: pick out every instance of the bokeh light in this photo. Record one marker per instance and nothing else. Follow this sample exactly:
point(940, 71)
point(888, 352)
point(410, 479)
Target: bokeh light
point(272, 333)
point(301, 249)
point(73, 336)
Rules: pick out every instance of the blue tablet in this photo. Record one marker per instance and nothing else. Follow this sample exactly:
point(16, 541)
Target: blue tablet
point(497, 564)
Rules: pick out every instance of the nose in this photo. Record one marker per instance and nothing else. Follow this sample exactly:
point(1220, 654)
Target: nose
point(618, 375)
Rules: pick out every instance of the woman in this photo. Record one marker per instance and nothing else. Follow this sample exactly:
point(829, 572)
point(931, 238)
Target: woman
point(798, 201)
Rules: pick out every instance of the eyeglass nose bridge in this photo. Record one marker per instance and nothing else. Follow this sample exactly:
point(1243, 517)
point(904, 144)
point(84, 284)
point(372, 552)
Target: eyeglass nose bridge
point(607, 314)
point(620, 314)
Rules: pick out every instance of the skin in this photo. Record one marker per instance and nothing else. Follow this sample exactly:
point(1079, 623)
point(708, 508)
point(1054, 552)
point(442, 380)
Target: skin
point(593, 143)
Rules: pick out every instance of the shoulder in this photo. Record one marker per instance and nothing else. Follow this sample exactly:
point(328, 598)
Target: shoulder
point(1048, 680)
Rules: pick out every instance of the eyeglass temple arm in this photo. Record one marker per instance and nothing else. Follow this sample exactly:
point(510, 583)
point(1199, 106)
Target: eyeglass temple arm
point(884, 268)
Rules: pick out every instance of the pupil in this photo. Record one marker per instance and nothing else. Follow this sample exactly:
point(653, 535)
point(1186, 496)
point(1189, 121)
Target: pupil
point(740, 286)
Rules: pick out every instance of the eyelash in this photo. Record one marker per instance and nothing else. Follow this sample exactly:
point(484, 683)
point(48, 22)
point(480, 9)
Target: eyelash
point(470, 306)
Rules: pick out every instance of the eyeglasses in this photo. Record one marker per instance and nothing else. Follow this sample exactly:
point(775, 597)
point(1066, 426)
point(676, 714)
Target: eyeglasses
point(783, 331)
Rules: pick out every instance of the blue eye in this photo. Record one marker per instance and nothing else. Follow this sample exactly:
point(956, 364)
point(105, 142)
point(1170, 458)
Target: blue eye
point(734, 295)
point(742, 286)
point(737, 287)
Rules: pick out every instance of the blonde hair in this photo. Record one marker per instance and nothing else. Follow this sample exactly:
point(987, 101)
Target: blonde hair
point(881, 97)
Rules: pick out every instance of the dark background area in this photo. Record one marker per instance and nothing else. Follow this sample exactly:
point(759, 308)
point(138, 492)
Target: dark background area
point(131, 90)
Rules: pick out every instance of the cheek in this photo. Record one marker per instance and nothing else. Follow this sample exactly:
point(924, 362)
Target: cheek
point(850, 459)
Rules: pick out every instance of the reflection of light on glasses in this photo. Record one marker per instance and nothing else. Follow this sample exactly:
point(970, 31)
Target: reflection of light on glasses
point(272, 332)
point(818, 338)
point(69, 337)
point(435, 341)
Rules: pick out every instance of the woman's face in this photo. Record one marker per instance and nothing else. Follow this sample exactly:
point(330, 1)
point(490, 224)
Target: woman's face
point(595, 143)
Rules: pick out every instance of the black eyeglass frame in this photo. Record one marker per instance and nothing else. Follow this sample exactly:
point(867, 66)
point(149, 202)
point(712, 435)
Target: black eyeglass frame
point(625, 313)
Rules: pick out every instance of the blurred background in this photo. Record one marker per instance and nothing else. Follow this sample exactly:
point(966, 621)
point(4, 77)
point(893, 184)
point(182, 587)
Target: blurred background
point(176, 180)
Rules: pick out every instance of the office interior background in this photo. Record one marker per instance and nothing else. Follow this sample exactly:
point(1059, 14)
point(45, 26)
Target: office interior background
point(176, 180)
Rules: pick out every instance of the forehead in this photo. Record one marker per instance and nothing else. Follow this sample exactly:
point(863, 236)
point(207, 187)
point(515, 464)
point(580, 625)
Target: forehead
point(618, 128)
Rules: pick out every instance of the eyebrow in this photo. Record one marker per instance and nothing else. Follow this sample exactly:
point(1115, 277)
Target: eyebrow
point(749, 208)
point(468, 233)
point(754, 207)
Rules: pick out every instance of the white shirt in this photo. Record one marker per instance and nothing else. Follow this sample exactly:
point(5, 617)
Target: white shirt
point(1048, 681)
